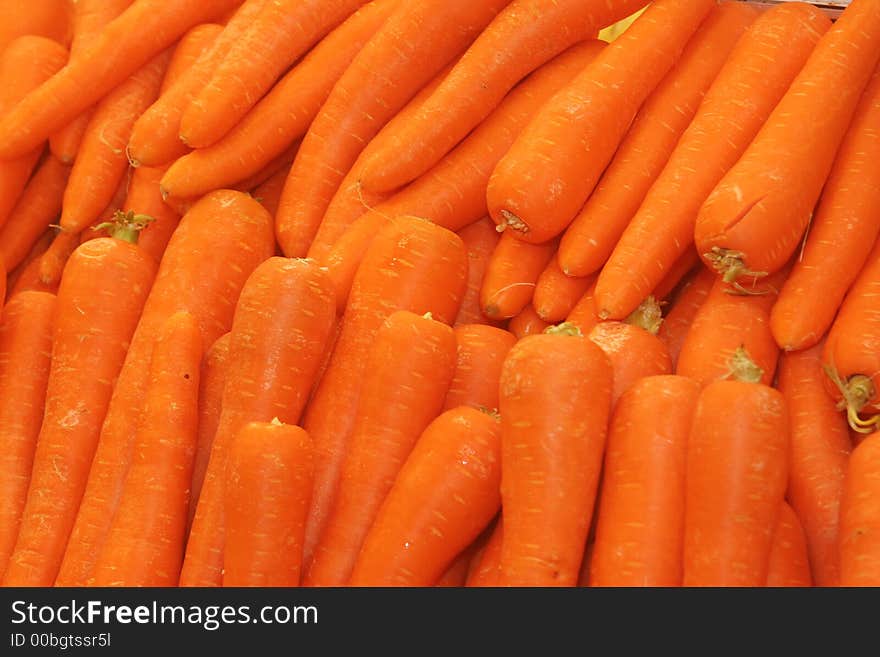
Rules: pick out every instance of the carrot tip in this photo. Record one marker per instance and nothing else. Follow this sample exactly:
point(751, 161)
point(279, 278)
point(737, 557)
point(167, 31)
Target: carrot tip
point(731, 265)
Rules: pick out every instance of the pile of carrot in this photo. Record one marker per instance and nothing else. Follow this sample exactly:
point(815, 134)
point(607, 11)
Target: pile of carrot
point(439, 293)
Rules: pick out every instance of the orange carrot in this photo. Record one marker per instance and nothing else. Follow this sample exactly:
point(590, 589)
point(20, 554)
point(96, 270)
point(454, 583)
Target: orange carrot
point(268, 193)
point(455, 574)
point(731, 114)
point(281, 327)
point(25, 350)
point(144, 546)
point(46, 18)
point(54, 260)
point(552, 447)
point(556, 293)
point(789, 564)
point(527, 322)
point(487, 570)
point(143, 198)
point(446, 494)
point(25, 276)
point(860, 517)
point(678, 321)
point(187, 52)
point(676, 274)
point(480, 240)
point(268, 486)
point(511, 275)
point(640, 528)
point(585, 315)
point(202, 272)
point(650, 141)
point(754, 219)
point(481, 353)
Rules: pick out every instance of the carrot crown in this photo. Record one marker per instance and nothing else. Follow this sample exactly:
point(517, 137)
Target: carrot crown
point(126, 226)
point(648, 316)
point(857, 391)
point(731, 265)
point(743, 368)
point(566, 328)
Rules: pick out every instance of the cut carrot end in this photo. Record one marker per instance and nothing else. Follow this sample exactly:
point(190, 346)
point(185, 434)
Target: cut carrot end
point(566, 328)
point(126, 226)
point(856, 392)
point(648, 316)
point(513, 222)
point(731, 266)
point(491, 412)
point(743, 368)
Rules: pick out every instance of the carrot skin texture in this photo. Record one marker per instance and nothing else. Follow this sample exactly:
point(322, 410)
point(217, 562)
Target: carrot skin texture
point(209, 291)
point(789, 564)
point(25, 356)
point(736, 478)
point(143, 197)
point(268, 486)
point(480, 239)
point(732, 112)
point(585, 315)
point(556, 293)
point(188, 50)
point(487, 569)
point(677, 323)
point(860, 517)
point(92, 335)
point(552, 450)
point(421, 528)
point(481, 351)
point(650, 140)
point(144, 546)
point(640, 529)
point(46, 18)
point(25, 277)
point(527, 322)
point(511, 275)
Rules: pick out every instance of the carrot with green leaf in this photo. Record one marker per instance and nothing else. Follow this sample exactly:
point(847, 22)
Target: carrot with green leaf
point(143, 198)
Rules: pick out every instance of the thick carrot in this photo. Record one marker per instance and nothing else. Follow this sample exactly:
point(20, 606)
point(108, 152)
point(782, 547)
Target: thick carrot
point(202, 272)
point(859, 544)
point(446, 494)
point(143, 198)
point(154, 137)
point(481, 353)
point(556, 293)
point(282, 324)
point(144, 546)
point(757, 74)
point(552, 446)
point(411, 265)
point(24, 65)
point(511, 275)
point(525, 35)
point(268, 486)
point(487, 570)
point(109, 61)
point(89, 18)
point(640, 525)
point(585, 315)
point(737, 466)
point(92, 333)
point(25, 352)
point(650, 141)
point(283, 115)
point(46, 18)
point(480, 240)
point(527, 322)
point(754, 219)
point(842, 230)
point(37, 207)
point(544, 179)
point(677, 323)
point(820, 448)
point(852, 349)
point(414, 44)
point(408, 372)
point(789, 564)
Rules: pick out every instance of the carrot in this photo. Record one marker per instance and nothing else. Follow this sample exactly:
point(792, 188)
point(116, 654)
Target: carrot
point(511, 275)
point(192, 45)
point(414, 44)
point(24, 65)
point(641, 156)
point(852, 350)
point(542, 182)
point(144, 546)
point(143, 198)
point(89, 18)
point(212, 381)
point(480, 239)
point(408, 372)
point(202, 272)
point(487, 570)
point(411, 265)
point(789, 565)
point(860, 517)
point(820, 448)
point(641, 512)
point(842, 230)
point(527, 322)
point(676, 274)
point(24, 276)
point(524, 35)
point(154, 137)
point(678, 321)
point(268, 485)
point(731, 114)
point(283, 115)
point(445, 495)
point(481, 353)
point(455, 574)
point(25, 350)
point(38, 206)
point(54, 260)
point(754, 219)
point(91, 335)
point(551, 450)
point(585, 315)
point(46, 18)
point(556, 293)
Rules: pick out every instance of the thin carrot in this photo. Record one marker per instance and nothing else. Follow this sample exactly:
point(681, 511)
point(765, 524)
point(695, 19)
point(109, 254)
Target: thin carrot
point(551, 446)
point(92, 334)
point(644, 151)
point(202, 272)
point(640, 528)
point(144, 546)
point(676, 274)
point(731, 114)
point(527, 322)
point(860, 517)
point(143, 198)
point(46, 18)
point(678, 321)
point(54, 260)
point(524, 35)
point(754, 219)
point(511, 275)
point(456, 572)
point(414, 44)
point(187, 52)
point(480, 239)
point(25, 352)
point(481, 353)
point(25, 275)
point(411, 265)
point(556, 293)
point(789, 564)
point(446, 494)
point(487, 571)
